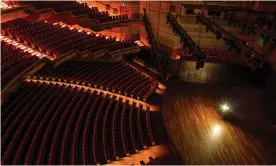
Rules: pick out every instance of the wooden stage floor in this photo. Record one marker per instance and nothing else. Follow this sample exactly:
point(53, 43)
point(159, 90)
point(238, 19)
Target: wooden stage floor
point(200, 134)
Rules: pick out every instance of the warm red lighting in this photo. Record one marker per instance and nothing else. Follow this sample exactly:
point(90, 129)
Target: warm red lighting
point(138, 42)
point(3, 5)
point(41, 55)
point(23, 47)
point(177, 57)
point(97, 35)
point(216, 130)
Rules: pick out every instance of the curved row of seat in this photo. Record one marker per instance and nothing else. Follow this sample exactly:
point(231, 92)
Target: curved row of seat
point(57, 40)
point(57, 124)
point(116, 77)
point(75, 7)
point(13, 62)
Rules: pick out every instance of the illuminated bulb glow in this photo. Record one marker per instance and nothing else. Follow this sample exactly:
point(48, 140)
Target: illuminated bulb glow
point(23, 47)
point(216, 130)
point(138, 42)
point(27, 50)
point(3, 5)
point(225, 107)
point(80, 30)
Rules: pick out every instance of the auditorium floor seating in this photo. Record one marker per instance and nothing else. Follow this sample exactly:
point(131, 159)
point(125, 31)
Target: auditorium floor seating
point(116, 77)
point(29, 40)
point(40, 127)
point(134, 83)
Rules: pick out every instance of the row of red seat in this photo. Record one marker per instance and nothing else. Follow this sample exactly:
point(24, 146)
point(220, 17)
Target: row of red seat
point(105, 130)
point(13, 62)
point(122, 129)
point(57, 40)
point(58, 124)
point(75, 7)
point(117, 77)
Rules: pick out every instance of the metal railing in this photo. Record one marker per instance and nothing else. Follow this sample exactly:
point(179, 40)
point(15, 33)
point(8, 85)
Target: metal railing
point(257, 59)
point(187, 40)
point(153, 45)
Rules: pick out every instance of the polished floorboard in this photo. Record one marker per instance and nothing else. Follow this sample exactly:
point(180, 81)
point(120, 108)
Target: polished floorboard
point(200, 133)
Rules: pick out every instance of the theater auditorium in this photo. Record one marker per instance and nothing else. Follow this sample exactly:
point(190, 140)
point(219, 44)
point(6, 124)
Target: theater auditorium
point(138, 82)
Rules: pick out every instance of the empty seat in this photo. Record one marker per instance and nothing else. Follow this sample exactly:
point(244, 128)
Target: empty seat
point(54, 40)
point(14, 61)
point(117, 77)
point(58, 124)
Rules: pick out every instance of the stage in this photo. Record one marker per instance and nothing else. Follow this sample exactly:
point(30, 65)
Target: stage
point(194, 122)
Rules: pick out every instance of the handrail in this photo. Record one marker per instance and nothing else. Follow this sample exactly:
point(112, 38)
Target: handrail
point(178, 29)
point(258, 59)
point(153, 44)
point(120, 21)
point(38, 80)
